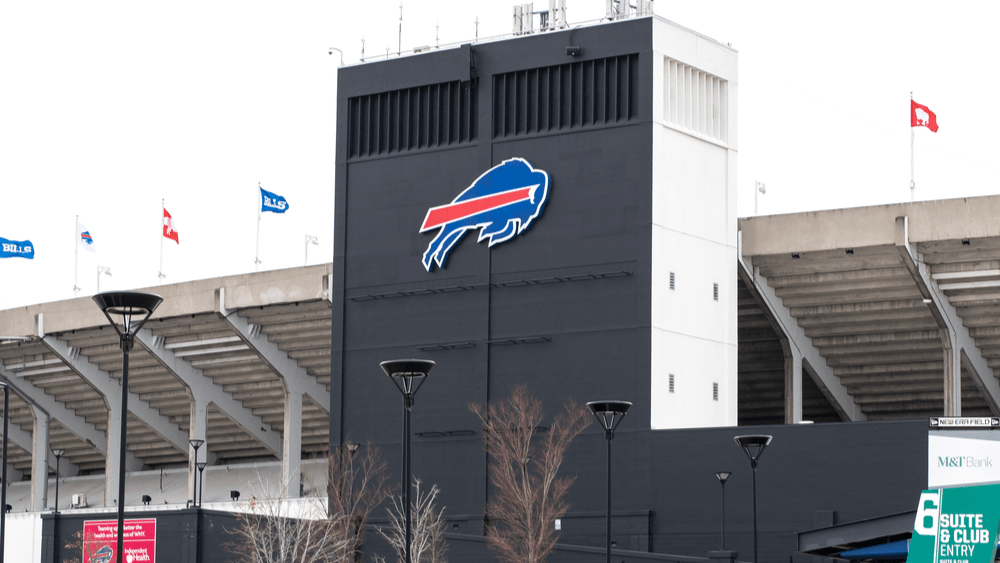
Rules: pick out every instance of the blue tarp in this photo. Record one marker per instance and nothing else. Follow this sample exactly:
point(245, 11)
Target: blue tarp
point(891, 550)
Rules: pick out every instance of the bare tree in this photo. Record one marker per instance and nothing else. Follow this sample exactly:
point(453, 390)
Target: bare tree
point(528, 496)
point(427, 528)
point(357, 483)
point(89, 547)
point(314, 529)
point(274, 530)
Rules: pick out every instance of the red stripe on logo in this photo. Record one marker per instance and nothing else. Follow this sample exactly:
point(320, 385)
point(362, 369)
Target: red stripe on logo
point(438, 216)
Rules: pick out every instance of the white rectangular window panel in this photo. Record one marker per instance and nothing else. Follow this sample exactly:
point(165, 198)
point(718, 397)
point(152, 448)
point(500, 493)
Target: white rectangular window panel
point(696, 101)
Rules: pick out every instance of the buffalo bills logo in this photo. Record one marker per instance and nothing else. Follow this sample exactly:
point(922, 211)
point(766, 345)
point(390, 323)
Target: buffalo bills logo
point(502, 203)
point(103, 555)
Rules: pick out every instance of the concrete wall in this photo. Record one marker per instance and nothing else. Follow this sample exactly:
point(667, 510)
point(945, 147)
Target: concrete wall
point(694, 336)
point(23, 537)
point(971, 217)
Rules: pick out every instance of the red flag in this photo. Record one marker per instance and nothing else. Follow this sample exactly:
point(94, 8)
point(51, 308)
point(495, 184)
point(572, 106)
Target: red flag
point(921, 115)
point(168, 227)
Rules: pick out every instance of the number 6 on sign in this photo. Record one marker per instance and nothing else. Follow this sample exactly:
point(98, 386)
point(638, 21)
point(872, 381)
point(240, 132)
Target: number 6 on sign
point(928, 508)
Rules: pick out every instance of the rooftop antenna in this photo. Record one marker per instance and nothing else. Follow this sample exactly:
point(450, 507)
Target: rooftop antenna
point(477, 29)
point(437, 34)
point(362, 49)
point(399, 52)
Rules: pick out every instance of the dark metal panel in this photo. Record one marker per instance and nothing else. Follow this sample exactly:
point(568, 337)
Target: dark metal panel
point(395, 73)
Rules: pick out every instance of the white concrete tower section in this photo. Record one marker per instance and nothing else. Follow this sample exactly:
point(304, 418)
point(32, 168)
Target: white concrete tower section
point(694, 338)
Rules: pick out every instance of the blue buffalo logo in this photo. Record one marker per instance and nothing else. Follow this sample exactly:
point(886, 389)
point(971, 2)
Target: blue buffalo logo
point(502, 203)
point(103, 555)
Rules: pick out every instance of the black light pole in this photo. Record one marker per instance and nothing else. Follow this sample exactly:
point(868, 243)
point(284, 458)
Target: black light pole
point(610, 415)
point(404, 373)
point(58, 453)
point(722, 476)
point(754, 446)
point(195, 443)
point(133, 308)
point(3, 478)
point(201, 471)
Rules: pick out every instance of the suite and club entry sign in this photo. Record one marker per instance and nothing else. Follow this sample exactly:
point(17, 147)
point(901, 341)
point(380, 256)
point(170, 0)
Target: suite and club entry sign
point(100, 540)
point(957, 525)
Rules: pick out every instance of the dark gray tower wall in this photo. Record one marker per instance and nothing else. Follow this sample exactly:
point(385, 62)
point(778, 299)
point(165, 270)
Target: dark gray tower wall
point(562, 308)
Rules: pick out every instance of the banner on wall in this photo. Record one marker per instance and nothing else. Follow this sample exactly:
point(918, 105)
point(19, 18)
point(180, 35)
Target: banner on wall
point(960, 452)
point(100, 540)
point(957, 525)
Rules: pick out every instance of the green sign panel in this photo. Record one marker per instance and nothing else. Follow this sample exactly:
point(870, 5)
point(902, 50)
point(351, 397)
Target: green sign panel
point(957, 525)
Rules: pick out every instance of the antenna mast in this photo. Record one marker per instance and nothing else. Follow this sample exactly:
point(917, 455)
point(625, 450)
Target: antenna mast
point(399, 52)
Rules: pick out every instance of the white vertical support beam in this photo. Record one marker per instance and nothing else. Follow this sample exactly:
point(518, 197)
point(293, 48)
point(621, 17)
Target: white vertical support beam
point(291, 459)
point(198, 431)
point(812, 362)
point(952, 374)
point(793, 387)
point(112, 464)
point(296, 380)
point(40, 461)
point(959, 347)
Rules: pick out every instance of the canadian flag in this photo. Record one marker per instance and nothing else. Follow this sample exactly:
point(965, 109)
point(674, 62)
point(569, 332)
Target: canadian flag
point(921, 115)
point(168, 227)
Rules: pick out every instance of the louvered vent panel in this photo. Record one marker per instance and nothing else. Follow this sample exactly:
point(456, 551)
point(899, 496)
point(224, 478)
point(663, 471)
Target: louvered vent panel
point(696, 101)
point(411, 119)
point(573, 95)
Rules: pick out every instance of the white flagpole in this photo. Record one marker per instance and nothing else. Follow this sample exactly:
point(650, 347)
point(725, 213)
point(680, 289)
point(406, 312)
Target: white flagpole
point(163, 208)
point(76, 255)
point(913, 185)
point(256, 257)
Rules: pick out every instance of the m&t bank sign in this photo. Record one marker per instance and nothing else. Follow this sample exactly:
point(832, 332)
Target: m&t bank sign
point(957, 525)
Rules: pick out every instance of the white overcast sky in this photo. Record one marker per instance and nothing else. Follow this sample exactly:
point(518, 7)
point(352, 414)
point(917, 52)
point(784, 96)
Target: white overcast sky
point(107, 107)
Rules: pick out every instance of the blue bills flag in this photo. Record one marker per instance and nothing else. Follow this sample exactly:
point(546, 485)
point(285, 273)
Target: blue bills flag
point(16, 249)
point(270, 201)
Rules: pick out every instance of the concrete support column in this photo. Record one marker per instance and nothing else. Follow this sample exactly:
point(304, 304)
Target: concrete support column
point(793, 387)
point(111, 462)
point(198, 431)
point(291, 459)
point(40, 461)
point(952, 374)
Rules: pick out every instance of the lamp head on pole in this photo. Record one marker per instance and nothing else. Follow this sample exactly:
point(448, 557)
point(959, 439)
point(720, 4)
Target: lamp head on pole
point(722, 476)
point(130, 309)
point(352, 447)
point(201, 466)
point(408, 376)
point(609, 414)
point(58, 453)
point(753, 445)
point(196, 443)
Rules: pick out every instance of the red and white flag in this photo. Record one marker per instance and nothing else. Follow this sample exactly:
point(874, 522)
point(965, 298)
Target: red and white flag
point(922, 116)
point(168, 227)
